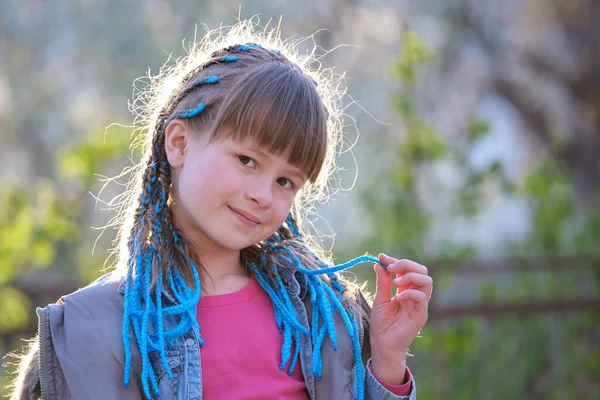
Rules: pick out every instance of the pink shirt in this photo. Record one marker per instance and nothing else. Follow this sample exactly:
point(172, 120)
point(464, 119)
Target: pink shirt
point(242, 349)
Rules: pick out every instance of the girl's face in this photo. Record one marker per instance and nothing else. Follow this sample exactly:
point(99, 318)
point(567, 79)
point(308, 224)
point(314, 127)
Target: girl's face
point(227, 194)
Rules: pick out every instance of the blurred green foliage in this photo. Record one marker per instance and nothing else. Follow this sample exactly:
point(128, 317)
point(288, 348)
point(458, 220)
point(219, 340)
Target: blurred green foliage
point(42, 223)
point(33, 221)
point(552, 356)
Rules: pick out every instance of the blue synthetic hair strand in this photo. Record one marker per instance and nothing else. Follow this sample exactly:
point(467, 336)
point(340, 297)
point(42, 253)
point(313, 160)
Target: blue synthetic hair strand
point(155, 275)
point(208, 80)
point(143, 306)
point(147, 278)
point(144, 309)
point(326, 299)
point(193, 112)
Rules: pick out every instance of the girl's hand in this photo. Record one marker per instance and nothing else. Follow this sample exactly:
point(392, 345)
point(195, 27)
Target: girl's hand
point(397, 321)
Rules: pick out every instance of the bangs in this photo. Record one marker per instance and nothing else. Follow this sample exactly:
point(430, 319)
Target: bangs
point(278, 106)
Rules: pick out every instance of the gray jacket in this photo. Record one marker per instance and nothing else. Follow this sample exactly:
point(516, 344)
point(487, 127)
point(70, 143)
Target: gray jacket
point(78, 353)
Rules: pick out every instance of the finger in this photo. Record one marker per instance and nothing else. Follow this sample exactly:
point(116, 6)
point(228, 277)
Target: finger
point(386, 260)
point(384, 285)
point(415, 280)
point(404, 266)
point(411, 295)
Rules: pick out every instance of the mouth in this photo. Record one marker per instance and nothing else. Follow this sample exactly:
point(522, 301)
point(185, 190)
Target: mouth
point(245, 217)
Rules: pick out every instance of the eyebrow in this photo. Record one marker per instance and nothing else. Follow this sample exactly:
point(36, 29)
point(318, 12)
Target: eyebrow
point(292, 171)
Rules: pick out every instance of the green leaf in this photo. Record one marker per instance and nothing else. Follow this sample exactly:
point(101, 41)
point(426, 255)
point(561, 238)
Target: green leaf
point(15, 309)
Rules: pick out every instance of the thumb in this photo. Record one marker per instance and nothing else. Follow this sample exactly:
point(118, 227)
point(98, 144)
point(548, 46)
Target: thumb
point(383, 285)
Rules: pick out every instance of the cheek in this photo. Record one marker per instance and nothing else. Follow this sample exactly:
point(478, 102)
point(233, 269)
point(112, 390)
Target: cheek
point(227, 181)
point(210, 180)
point(197, 189)
point(281, 211)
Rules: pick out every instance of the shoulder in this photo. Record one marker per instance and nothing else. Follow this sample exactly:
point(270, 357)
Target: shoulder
point(68, 330)
point(105, 288)
point(99, 297)
point(89, 318)
point(82, 334)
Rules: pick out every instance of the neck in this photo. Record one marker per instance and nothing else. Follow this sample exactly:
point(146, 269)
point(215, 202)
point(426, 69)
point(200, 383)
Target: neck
point(223, 273)
point(220, 265)
point(222, 270)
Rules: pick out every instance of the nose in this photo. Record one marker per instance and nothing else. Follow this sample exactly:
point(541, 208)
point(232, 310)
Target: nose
point(260, 192)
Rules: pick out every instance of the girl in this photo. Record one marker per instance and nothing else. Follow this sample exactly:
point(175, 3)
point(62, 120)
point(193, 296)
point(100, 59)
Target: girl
point(218, 292)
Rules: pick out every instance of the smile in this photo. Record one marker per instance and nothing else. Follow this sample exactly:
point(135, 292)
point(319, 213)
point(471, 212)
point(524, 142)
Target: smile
point(245, 218)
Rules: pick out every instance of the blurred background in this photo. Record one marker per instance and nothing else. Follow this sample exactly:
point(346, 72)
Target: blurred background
point(478, 156)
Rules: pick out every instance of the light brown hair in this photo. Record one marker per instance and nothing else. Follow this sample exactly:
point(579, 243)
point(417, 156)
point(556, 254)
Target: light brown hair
point(284, 100)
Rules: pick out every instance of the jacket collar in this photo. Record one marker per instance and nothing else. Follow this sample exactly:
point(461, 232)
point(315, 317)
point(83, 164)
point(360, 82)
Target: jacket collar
point(295, 282)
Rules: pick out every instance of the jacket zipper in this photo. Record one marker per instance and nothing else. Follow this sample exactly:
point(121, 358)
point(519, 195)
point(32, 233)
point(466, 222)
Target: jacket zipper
point(361, 330)
point(41, 373)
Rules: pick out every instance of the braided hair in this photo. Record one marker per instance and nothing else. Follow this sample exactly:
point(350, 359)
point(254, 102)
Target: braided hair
point(155, 256)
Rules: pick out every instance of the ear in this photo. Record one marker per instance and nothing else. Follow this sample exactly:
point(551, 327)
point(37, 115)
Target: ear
point(176, 142)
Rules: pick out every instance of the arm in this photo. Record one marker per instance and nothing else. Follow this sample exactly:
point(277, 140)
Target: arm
point(375, 387)
point(378, 390)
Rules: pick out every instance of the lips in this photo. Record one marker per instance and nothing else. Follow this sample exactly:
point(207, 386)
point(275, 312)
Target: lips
point(246, 215)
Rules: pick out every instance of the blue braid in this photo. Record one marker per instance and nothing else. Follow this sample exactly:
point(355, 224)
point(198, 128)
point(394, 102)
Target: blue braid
point(291, 224)
point(287, 343)
point(159, 320)
point(146, 367)
point(192, 112)
point(287, 315)
point(295, 356)
point(322, 305)
point(325, 300)
point(144, 304)
point(208, 80)
point(246, 47)
point(125, 329)
point(346, 265)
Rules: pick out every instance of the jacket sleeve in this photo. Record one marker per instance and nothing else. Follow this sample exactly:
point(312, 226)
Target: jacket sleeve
point(374, 390)
point(26, 383)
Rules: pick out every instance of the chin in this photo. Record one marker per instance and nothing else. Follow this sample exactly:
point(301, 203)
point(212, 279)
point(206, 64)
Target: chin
point(238, 240)
point(236, 244)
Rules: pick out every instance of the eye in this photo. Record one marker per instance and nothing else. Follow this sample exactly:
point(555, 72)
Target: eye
point(286, 183)
point(247, 161)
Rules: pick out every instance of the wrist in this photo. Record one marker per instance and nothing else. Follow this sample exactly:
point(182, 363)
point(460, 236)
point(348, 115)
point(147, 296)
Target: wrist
point(393, 372)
